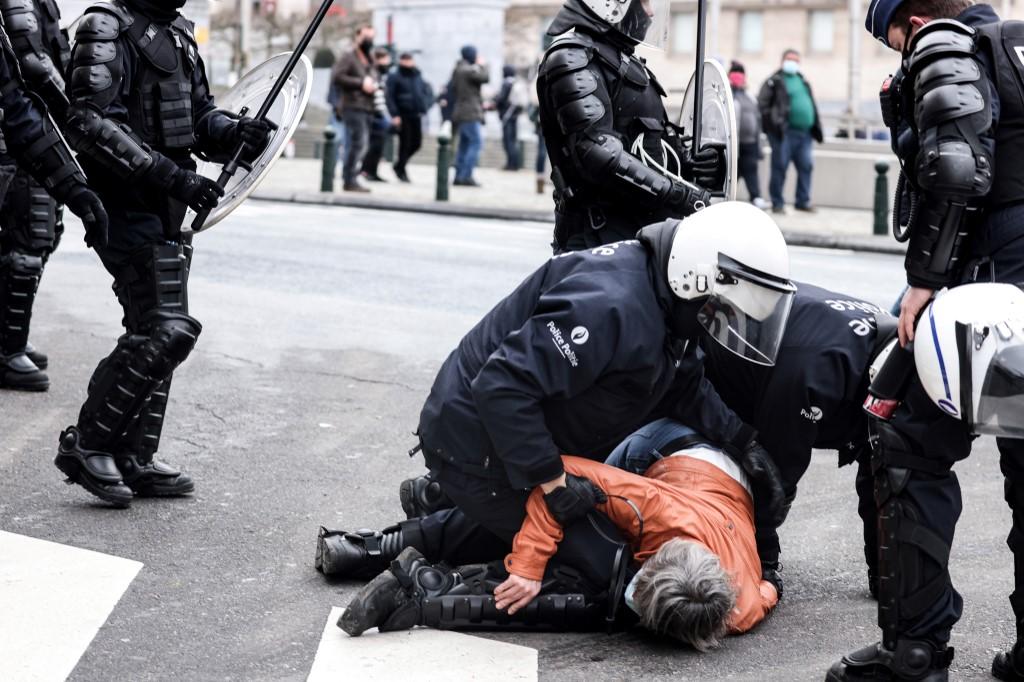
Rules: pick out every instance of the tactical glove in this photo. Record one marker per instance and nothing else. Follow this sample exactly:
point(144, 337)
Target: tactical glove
point(572, 502)
point(764, 475)
point(199, 192)
point(255, 133)
point(84, 203)
point(687, 198)
point(707, 166)
point(772, 572)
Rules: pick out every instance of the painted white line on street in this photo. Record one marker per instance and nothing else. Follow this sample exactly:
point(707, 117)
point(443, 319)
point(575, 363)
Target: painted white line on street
point(53, 600)
point(422, 654)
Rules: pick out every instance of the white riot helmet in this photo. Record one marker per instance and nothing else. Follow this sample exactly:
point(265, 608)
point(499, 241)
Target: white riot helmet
point(969, 353)
point(735, 255)
point(644, 21)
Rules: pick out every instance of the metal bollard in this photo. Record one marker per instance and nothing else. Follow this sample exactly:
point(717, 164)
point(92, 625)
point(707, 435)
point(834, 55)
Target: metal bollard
point(330, 159)
point(444, 144)
point(881, 197)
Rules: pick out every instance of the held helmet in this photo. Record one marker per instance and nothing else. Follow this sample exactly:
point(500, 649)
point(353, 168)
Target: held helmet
point(969, 354)
point(734, 255)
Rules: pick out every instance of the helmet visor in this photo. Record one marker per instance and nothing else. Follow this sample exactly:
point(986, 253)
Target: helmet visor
point(999, 407)
point(747, 312)
point(645, 21)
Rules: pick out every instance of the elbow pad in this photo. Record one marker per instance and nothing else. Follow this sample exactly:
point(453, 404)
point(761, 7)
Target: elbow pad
point(49, 161)
point(107, 143)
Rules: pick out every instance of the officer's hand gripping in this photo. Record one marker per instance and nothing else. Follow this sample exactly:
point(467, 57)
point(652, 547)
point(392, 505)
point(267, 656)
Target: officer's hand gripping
point(764, 476)
point(255, 133)
point(84, 203)
point(707, 166)
point(572, 502)
point(199, 192)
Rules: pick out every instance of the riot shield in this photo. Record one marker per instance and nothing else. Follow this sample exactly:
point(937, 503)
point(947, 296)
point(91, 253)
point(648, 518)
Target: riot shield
point(718, 122)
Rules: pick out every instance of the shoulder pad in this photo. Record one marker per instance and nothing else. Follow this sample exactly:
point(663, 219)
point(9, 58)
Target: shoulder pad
point(571, 38)
point(19, 19)
point(124, 15)
point(565, 58)
point(15, 6)
point(98, 24)
point(939, 38)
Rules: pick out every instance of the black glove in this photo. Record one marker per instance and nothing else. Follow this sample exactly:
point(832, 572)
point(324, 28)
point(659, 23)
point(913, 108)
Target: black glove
point(255, 133)
point(707, 166)
point(764, 474)
point(687, 199)
point(772, 572)
point(572, 502)
point(199, 192)
point(84, 203)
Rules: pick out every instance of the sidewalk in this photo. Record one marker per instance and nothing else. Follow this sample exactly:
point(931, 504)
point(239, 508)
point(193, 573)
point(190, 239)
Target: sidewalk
point(512, 196)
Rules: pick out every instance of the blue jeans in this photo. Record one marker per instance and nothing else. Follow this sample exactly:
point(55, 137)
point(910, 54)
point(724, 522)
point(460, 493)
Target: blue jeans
point(468, 153)
point(642, 448)
point(793, 147)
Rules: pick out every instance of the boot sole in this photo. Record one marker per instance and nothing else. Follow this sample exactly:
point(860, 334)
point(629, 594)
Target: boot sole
point(362, 614)
point(71, 468)
point(407, 497)
point(28, 388)
point(327, 562)
point(1004, 672)
point(156, 491)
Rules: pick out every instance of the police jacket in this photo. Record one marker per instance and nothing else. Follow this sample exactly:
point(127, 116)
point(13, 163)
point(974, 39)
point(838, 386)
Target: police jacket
point(572, 361)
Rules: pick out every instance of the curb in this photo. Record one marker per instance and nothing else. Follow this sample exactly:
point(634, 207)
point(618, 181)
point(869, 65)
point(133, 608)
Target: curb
point(865, 244)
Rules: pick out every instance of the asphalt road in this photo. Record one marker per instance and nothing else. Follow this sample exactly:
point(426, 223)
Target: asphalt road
point(322, 330)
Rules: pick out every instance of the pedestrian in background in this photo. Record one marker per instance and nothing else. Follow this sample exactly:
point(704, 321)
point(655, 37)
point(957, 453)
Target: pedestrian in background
point(748, 125)
point(511, 101)
point(356, 82)
point(467, 80)
point(408, 97)
point(381, 127)
point(790, 118)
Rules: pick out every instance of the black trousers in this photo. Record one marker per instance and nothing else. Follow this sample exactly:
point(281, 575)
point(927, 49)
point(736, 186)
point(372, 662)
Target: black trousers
point(375, 149)
point(410, 139)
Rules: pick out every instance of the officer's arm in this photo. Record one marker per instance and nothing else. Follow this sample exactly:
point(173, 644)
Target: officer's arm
point(41, 75)
point(541, 361)
point(584, 113)
point(94, 126)
point(955, 161)
point(32, 138)
point(213, 127)
point(699, 406)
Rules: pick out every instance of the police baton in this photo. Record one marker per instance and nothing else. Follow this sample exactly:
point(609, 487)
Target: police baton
point(698, 76)
point(231, 167)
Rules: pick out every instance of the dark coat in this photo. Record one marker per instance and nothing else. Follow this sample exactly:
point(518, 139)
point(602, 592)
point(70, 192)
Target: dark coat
point(407, 93)
point(466, 81)
point(575, 359)
point(773, 100)
point(347, 76)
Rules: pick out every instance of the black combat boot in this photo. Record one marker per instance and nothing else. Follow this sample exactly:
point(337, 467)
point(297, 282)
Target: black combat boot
point(912, 660)
point(142, 472)
point(38, 357)
point(18, 372)
point(364, 553)
point(92, 469)
point(422, 496)
point(1009, 665)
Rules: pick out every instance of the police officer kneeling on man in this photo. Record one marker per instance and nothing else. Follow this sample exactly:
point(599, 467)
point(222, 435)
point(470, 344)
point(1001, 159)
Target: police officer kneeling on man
point(589, 345)
point(617, 161)
point(956, 115)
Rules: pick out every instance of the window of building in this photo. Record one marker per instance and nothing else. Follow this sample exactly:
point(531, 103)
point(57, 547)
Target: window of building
point(751, 31)
point(821, 30)
point(684, 32)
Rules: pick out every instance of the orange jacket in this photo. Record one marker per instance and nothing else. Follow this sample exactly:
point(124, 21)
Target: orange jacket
point(678, 497)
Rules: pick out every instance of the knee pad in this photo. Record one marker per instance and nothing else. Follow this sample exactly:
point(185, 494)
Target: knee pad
point(21, 264)
point(171, 339)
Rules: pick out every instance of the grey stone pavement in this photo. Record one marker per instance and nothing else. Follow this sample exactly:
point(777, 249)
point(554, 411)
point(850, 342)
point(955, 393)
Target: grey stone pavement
point(513, 195)
point(323, 328)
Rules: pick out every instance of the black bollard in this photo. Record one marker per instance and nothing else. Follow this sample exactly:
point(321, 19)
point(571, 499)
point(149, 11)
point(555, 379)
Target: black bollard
point(881, 197)
point(330, 159)
point(444, 144)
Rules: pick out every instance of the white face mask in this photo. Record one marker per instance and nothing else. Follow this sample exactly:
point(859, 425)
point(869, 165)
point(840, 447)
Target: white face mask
point(790, 66)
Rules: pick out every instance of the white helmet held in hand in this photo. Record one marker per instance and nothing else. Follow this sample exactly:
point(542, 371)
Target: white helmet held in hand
point(735, 255)
point(969, 354)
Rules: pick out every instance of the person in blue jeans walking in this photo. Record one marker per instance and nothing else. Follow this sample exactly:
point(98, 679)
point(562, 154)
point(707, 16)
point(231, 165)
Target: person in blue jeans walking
point(468, 116)
point(789, 117)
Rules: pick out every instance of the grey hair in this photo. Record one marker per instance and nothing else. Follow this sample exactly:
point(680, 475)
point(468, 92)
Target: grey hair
point(683, 592)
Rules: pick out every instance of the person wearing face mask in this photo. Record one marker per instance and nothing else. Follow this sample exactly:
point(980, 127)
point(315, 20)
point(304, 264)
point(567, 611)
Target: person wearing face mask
point(140, 107)
point(748, 126)
point(789, 115)
point(408, 98)
point(357, 81)
point(955, 113)
point(618, 162)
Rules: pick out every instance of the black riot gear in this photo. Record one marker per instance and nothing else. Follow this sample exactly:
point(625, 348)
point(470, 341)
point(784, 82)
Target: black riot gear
point(601, 111)
point(140, 107)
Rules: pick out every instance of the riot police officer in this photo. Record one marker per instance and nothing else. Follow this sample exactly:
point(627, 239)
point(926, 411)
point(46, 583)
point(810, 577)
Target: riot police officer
point(139, 107)
point(618, 163)
point(31, 225)
point(31, 140)
point(956, 115)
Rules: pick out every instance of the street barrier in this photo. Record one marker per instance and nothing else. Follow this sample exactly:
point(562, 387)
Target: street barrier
point(444, 152)
point(881, 197)
point(330, 159)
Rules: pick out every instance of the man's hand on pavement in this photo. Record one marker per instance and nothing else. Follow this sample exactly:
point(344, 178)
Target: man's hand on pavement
point(515, 593)
point(911, 306)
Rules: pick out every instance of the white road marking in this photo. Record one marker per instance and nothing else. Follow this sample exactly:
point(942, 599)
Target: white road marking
point(53, 600)
point(424, 654)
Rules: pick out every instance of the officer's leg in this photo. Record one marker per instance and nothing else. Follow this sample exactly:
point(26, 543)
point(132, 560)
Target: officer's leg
point(446, 535)
point(28, 240)
point(1010, 665)
point(581, 589)
point(868, 512)
point(151, 285)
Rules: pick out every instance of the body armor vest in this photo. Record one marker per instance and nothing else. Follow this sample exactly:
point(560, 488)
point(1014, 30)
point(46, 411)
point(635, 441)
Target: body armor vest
point(160, 104)
point(1004, 43)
